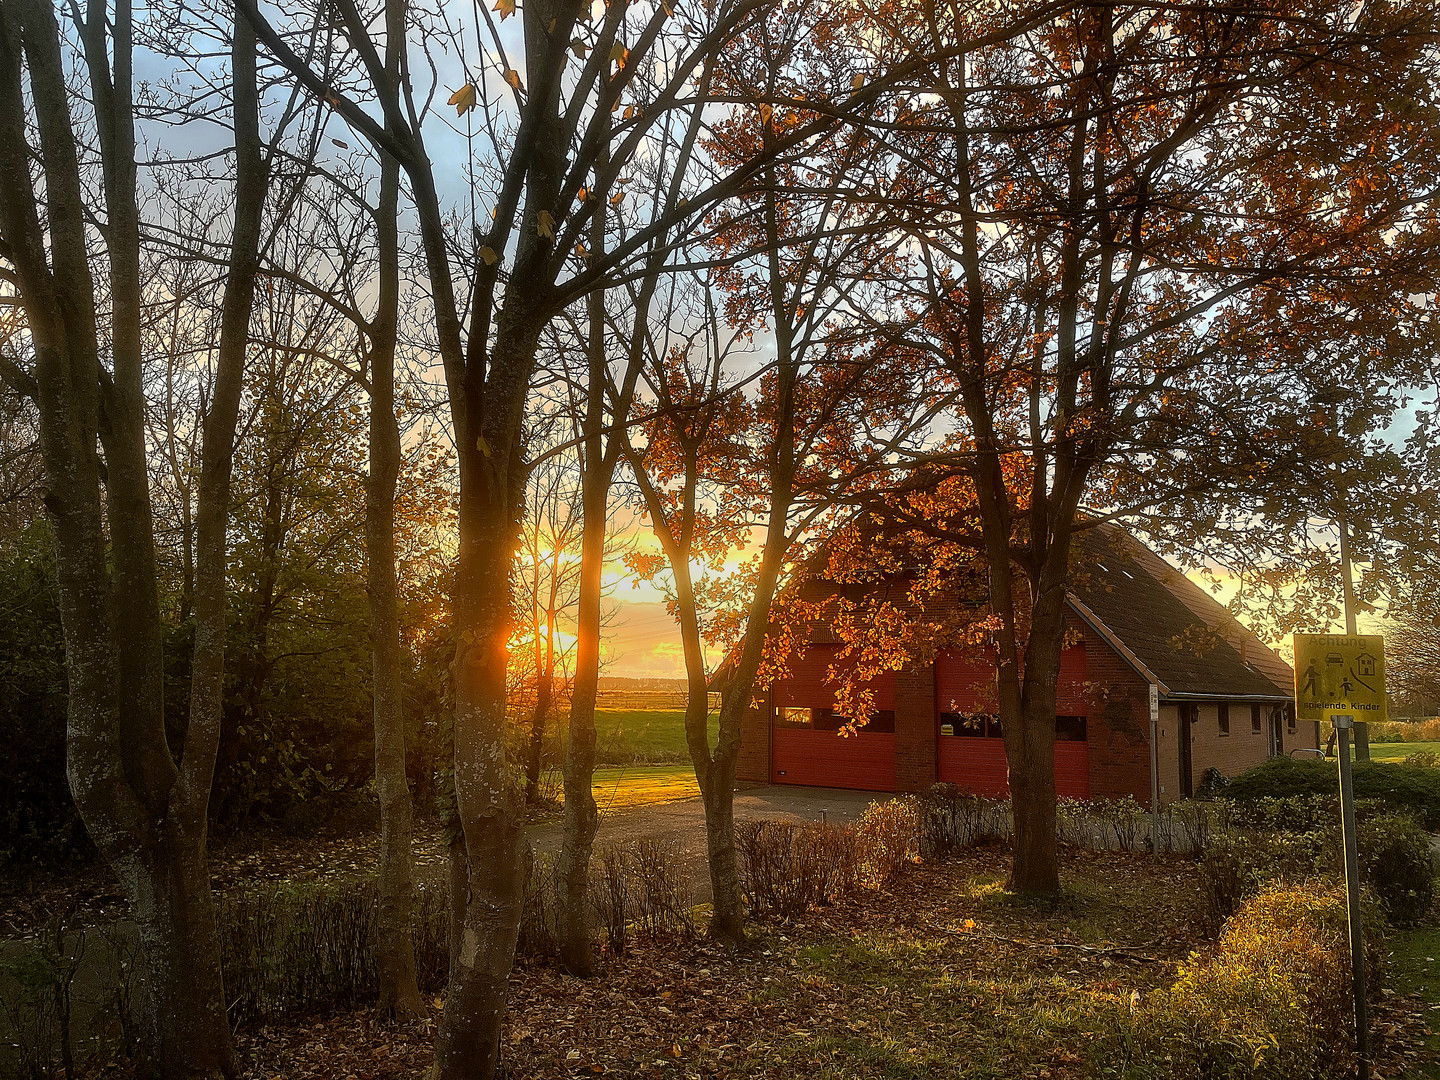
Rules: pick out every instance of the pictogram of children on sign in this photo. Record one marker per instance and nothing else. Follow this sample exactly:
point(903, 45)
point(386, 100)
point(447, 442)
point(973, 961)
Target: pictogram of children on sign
point(1312, 679)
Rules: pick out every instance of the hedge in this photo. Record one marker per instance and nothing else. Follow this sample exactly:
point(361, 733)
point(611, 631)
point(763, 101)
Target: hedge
point(1397, 787)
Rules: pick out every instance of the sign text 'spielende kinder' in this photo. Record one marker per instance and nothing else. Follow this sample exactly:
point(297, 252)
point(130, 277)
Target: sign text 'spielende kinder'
point(1340, 673)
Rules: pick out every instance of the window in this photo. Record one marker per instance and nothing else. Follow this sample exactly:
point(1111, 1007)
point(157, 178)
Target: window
point(807, 719)
point(1222, 712)
point(971, 725)
point(791, 716)
point(882, 722)
point(1254, 719)
point(1290, 719)
point(1069, 729)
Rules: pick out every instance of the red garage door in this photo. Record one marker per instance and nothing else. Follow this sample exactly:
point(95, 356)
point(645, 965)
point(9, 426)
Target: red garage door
point(825, 759)
point(971, 752)
point(807, 746)
point(978, 765)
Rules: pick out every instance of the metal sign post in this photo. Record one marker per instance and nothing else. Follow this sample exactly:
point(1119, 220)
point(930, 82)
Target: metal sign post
point(1154, 772)
point(1343, 725)
point(1342, 676)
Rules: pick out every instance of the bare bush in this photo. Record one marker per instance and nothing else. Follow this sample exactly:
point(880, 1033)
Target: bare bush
point(952, 819)
point(639, 886)
point(788, 867)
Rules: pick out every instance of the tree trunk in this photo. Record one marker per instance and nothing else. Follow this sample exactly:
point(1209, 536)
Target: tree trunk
point(544, 697)
point(146, 814)
point(486, 796)
point(581, 816)
point(1036, 864)
point(597, 464)
point(718, 792)
point(185, 1032)
point(399, 991)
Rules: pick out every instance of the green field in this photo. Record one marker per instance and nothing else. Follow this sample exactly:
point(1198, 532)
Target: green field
point(628, 736)
point(642, 785)
point(640, 756)
point(1396, 751)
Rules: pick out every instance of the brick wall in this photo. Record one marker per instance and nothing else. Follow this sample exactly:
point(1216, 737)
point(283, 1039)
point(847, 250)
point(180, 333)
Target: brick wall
point(753, 762)
point(1117, 722)
point(916, 758)
point(1117, 727)
point(1232, 754)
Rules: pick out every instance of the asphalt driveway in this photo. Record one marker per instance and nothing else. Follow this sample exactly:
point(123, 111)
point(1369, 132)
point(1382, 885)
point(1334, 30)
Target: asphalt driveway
point(682, 824)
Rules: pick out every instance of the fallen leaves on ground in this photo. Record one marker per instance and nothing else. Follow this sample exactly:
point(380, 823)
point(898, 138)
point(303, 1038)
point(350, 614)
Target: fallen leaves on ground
point(849, 990)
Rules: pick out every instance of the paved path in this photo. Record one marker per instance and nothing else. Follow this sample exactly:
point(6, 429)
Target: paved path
point(682, 823)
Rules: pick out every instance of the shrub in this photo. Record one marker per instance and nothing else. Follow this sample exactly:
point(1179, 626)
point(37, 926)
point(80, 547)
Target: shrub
point(1237, 865)
point(48, 1023)
point(1393, 731)
point(662, 897)
point(1122, 821)
point(1212, 783)
point(951, 818)
point(1193, 822)
point(1396, 787)
point(1428, 759)
point(788, 867)
point(38, 819)
point(888, 836)
point(287, 949)
point(540, 915)
point(1395, 860)
point(640, 885)
point(1290, 813)
point(1271, 1002)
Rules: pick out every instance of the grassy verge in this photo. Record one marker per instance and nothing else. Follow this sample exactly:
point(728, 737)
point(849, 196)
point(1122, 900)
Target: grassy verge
point(942, 975)
point(1397, 751)
point(642, 785)
point(655, 736)
point(1414, 968)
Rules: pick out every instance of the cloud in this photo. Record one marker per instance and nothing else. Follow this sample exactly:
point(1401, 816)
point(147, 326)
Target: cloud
point(643, 642)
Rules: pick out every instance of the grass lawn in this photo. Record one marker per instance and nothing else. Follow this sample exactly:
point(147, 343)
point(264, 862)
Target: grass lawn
point(941, 975)
point(1414, 968)
point(1397, 751)
point(654, 736)
point(639, 785)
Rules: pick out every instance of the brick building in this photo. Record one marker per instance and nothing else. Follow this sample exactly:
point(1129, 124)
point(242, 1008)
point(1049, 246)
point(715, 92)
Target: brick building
point(1134, 622)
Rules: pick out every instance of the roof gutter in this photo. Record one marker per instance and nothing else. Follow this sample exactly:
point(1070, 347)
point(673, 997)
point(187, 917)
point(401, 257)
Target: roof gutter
point(1113, 640)
point(1227, 697)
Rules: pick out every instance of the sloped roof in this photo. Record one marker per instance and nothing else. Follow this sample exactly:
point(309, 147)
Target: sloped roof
point(1170, 629)
point(1169, 625)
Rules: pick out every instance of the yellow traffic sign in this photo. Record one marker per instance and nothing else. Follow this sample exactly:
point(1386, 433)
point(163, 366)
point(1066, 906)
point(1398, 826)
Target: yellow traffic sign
point(1340, 673)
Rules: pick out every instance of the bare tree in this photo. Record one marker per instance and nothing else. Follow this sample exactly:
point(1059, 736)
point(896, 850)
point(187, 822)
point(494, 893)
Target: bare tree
point(489, 355)
point(145, 809)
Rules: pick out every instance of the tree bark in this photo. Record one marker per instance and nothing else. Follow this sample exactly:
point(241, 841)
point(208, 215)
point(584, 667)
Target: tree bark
point(582, 818)
point(486, 796)
point(399, 990)
point(544, 699)
point(146, 813)
point(1030, 749)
